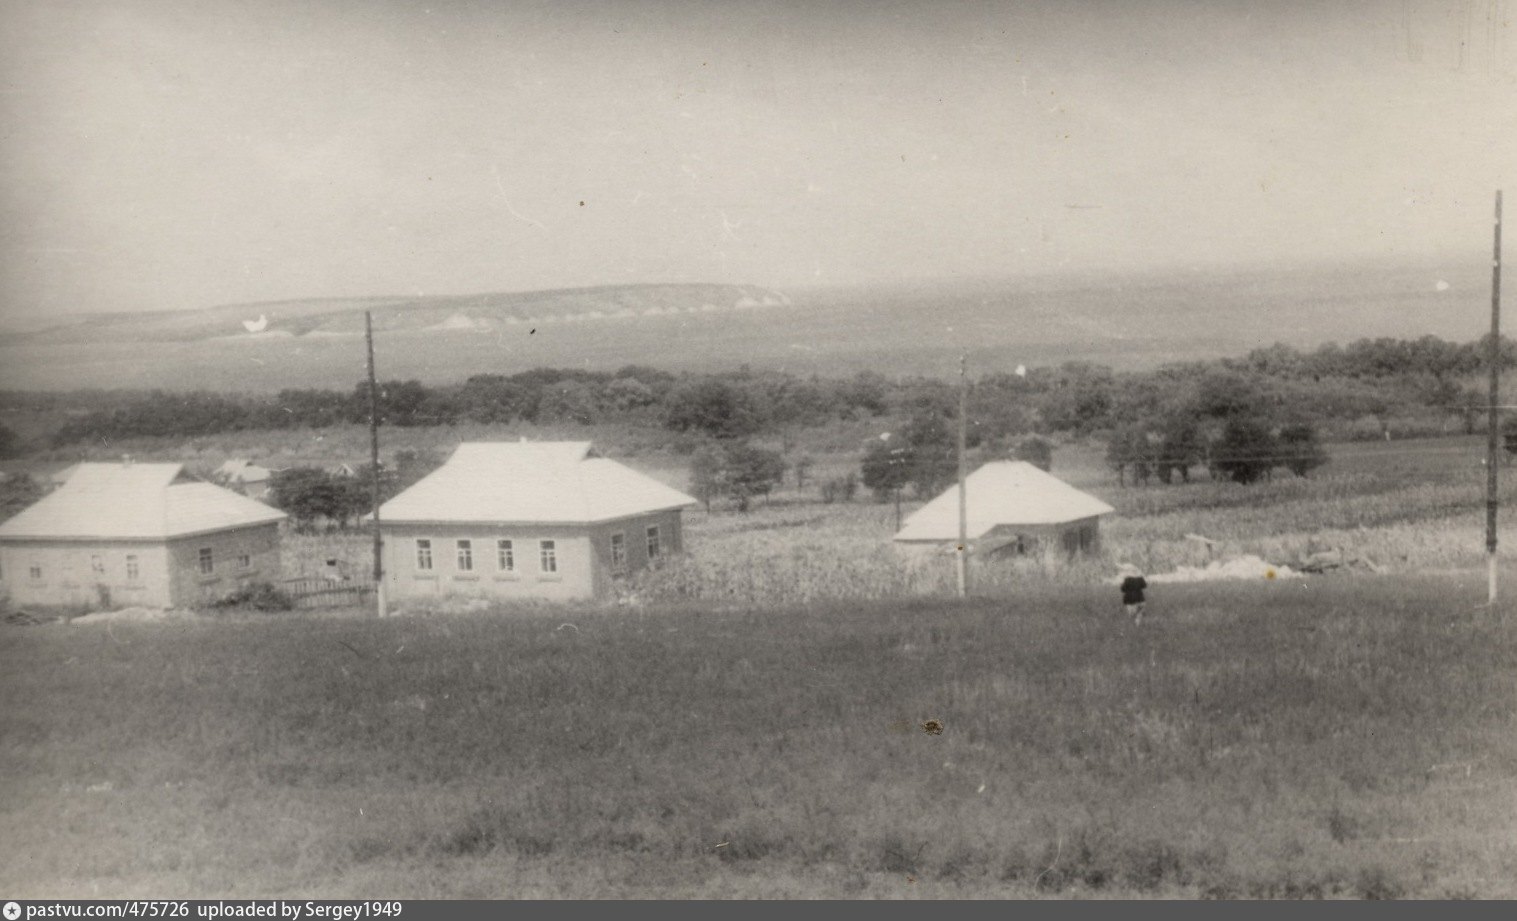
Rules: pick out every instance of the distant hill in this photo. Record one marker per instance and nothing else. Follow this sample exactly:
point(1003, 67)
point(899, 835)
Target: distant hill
point(442, 313)
point(1127, 321)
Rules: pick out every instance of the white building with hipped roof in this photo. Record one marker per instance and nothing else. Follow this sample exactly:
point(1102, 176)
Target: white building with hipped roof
point(1013, 508)
point(246, 477)
point(527, 520)
point(134, 534)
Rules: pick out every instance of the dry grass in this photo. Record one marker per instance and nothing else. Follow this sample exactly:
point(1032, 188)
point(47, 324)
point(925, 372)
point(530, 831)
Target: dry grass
point(752, 728)
point(1330, 738)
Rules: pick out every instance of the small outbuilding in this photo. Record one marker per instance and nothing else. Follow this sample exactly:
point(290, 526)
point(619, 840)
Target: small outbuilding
point(246, 477)
point(134, 534)
point(527, 520)
point(1014, 508)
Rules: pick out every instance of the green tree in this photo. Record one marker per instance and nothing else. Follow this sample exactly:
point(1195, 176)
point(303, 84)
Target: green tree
point(933, 448)
point(1470, 404)
point(17, 493)
point(713, 407)
point(308, 494)
point(1246, 450)
point(802, 466)
point(737, 471)
point(10, 442)
point(707, 472)
point(1127, 451)
point(752, 471)
point(1300, 451)
point(1179, 446)
point(1509, 436)
point(1035, 451)
point(887, 467)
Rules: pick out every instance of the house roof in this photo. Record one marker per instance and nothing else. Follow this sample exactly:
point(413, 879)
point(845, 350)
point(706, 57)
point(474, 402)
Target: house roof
point(546, 482)
point(243, 471)
point(1001, 493)
point(134, 502)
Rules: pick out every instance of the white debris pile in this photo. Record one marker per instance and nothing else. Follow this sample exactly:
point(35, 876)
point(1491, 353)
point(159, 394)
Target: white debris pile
point(1244, 567)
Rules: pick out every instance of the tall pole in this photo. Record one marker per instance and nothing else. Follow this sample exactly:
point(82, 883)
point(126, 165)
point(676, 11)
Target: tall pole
point(379, 585)
point(1493, 429)
point(962, 554)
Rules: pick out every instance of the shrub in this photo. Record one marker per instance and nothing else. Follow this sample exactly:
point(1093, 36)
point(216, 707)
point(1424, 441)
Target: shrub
point(840, 489)
point(259, 596)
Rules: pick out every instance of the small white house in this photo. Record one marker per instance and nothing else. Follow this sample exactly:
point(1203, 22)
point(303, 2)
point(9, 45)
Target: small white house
point(1013, 508)
point(137, 534)
point(538, 520)
point(246, 477)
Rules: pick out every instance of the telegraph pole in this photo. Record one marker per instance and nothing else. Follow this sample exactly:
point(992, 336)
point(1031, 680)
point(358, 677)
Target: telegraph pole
point(379, 585)
point(962, 551)
point(1493, 433)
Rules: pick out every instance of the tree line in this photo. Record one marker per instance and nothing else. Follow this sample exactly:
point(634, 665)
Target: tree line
point(1379, 378)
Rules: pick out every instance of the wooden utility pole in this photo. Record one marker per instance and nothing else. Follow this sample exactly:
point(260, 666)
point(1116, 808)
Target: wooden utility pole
point(1493, 434)
point(962, 551)
point(379, 584)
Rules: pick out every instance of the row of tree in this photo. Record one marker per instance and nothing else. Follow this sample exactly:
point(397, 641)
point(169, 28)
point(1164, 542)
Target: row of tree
point(1331, 386)
point(313, 496)
point(731, 405)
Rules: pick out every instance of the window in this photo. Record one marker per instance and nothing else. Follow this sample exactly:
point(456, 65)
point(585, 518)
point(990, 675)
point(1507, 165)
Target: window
point(97, 565)
point(505, 556)
point(465, 556)
point(245, 561)
point(618, 552)
point(653, 545)
point(207, 561)
point(133, 572)
point(547, 555)
point(35, 571)
point(423, 553)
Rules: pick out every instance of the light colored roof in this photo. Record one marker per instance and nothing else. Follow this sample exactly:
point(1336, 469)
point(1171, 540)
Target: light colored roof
point(134, 502)
point(1001, 493)
point(243, 471)
point(544, 482)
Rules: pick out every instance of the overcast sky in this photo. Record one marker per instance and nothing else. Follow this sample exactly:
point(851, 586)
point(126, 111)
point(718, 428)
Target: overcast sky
point(184, 154)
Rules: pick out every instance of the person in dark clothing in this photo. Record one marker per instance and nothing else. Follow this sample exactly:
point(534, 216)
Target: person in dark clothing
point(1133, 585)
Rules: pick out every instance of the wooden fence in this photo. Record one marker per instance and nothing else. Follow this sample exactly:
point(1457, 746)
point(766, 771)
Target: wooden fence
point(321, 592)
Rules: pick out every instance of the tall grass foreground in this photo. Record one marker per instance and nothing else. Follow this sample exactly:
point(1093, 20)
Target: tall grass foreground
point(1332, 738)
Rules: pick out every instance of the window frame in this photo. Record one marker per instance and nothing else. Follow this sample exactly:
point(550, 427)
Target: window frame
point(618, 551)
point(463, 554)
point(205, 561)
point(423, 559)
point(505, 555)
point(133, 568)
point(655, 543)
point(547, 556)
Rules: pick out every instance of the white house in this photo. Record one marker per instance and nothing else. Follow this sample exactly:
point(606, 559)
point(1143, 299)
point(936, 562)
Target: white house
point(1013, 508)
point(137, 534)
point(246, 477)
point(542, 520)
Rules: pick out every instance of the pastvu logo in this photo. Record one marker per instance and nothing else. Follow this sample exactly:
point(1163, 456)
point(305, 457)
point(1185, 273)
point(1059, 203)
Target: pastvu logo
point(12, 911)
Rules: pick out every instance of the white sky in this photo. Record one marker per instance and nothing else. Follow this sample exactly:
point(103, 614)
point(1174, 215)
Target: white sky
point(181, 154)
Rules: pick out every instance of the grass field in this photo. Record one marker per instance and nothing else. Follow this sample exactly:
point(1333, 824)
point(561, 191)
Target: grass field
point(1350, 737)
point(752, 727)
